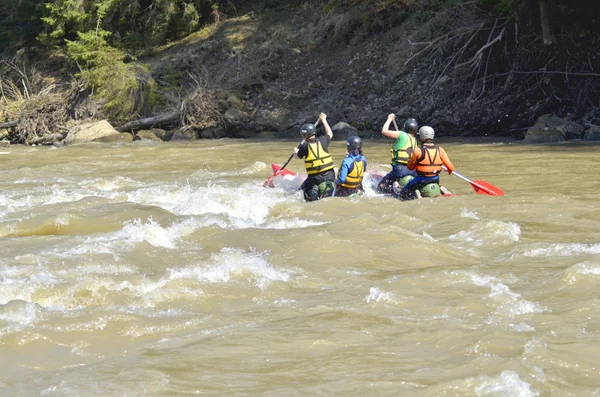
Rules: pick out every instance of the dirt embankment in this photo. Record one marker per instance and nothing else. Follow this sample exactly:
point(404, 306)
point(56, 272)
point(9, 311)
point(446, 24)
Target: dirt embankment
point(461, 70)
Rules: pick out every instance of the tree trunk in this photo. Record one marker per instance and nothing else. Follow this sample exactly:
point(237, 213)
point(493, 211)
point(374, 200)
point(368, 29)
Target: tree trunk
point(545, 19)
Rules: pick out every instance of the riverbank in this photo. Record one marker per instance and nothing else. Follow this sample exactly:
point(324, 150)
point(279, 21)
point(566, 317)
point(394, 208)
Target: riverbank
point(269, 68)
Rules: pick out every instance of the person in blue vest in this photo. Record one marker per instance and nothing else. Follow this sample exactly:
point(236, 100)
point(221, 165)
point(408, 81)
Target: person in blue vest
point(317, 160)
point(352, 170)
point(404, 141)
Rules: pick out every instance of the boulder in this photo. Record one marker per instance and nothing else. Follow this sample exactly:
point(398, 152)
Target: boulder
point(234, 115)
point(4, 143)
point(550, 128)
point(593, 134)
point(120, 137)
point(213, 132)
point(148, 135)
point(185, 133)
point(90, 132)
point(344, 130)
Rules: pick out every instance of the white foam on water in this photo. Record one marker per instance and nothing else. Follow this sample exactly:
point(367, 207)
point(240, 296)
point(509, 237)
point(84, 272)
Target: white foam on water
point(20, 283)
point(109, 185)
point(508, 304)
point(489, 232)
point(559, 249)
point(507, 384)
point(233, 266)
point(133, 233)
point(19, 313)
point(467, 213)
point(376, 295)
point(292, 224)
point(585, 271)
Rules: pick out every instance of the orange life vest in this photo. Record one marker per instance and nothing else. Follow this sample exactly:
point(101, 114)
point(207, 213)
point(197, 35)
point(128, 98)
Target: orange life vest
point(430, 162)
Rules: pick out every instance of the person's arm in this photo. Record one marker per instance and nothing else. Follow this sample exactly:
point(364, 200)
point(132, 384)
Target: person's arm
point(365, 159)
point(446, 161)
point(342, 173)
point(385, 130)
point(323, 118)
point(300, 150)
point(414, 155)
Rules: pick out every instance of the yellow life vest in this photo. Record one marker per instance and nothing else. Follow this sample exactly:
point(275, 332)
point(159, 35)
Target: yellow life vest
point(317, 160)
point(355, 176)
point(399, 154)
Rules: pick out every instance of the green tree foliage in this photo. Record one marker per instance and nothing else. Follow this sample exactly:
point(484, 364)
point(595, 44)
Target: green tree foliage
point(20, 22)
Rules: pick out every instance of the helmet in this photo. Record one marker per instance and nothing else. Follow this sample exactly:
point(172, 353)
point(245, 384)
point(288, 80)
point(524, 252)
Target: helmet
point(411, 126)
point(308, 130)
point(426, 132)
point(353, 143)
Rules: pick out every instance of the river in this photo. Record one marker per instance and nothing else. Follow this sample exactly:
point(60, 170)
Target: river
point(167, 269)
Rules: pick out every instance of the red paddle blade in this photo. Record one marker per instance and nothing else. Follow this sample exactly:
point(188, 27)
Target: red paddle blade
point(277, 171)
point(483, 187)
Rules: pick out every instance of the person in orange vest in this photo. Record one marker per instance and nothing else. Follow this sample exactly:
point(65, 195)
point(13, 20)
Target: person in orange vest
point(427, 160)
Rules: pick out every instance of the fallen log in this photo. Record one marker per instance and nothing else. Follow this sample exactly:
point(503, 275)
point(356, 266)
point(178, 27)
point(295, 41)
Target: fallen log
point(9, 124)
point(149, 122)
point(46, 139)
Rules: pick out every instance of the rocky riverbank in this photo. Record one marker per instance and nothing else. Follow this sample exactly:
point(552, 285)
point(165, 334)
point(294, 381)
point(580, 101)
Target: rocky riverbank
point(272, 67)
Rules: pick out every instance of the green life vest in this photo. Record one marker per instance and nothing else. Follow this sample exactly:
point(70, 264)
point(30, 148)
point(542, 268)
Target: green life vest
point(399, 154)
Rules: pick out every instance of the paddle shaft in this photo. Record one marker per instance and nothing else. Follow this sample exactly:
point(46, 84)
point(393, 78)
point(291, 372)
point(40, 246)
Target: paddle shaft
point(292, 156)
point(478, 186)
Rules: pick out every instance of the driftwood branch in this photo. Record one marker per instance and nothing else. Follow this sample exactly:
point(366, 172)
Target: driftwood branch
point(9, 124)
point(480, 51)
point(149, 122)
point(46, 139)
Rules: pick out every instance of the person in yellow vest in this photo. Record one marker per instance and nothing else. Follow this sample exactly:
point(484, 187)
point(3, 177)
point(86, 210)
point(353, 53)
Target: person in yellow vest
point(352, 170)
point(317, 160)
point(405, 140)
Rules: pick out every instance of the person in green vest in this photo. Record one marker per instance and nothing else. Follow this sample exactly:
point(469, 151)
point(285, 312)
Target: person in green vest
point(317, 160)
point(404, 140)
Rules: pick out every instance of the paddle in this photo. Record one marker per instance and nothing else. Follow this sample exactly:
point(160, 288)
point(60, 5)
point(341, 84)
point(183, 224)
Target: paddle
point(479, 186)
point(268, 182)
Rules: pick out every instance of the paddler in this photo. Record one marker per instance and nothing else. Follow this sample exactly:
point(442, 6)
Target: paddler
point(317, 160)
point(404, 140)
point(427, 161)
point(352, 170)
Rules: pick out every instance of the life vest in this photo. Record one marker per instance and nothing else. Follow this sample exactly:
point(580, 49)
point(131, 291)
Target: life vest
point(430, 162)
point(355, 176)
point(317, 160)
point(399, 154)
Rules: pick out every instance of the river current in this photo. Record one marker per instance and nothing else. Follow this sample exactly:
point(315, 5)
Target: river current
point(167, 269)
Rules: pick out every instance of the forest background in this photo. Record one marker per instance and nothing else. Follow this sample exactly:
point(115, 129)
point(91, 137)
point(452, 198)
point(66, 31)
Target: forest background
point(235, 68)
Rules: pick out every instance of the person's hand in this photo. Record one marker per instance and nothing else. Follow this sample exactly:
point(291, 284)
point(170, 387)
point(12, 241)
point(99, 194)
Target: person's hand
point(296, 150)
point(410, 151)
point(322, 117)
point(391, 116)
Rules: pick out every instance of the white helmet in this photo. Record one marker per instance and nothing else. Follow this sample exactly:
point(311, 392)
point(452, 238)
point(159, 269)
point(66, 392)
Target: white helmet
point(426, 132)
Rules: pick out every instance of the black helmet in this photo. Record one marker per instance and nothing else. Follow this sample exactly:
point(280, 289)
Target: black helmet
point(411, 126)
point(353, 143)
point(308, 130)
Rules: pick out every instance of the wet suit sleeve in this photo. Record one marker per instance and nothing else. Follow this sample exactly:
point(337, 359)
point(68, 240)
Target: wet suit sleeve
point(343, 172)
point(446, 161)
